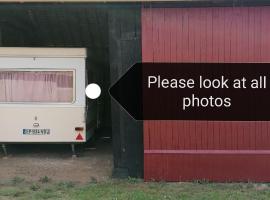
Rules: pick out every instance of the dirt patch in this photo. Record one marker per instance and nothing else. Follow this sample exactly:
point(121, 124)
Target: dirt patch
point(33, 162)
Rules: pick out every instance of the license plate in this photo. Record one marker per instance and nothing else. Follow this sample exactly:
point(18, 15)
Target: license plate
point(36, 131)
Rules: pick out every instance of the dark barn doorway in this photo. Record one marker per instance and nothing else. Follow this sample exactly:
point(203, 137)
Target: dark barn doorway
point(112, 35)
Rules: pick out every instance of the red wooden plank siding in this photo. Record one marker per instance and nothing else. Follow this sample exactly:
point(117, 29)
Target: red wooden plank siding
point(219, 151)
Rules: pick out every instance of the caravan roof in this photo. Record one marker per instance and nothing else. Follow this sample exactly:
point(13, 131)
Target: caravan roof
point(42, 52)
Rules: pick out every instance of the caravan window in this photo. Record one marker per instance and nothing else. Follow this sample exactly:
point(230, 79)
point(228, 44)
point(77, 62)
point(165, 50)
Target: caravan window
point(37, 86)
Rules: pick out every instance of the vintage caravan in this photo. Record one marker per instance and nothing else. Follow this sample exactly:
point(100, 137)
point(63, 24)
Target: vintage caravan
point(42, 95)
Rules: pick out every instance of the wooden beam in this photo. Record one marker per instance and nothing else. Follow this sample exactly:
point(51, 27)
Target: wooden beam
point(125, 50)
point(104, 1)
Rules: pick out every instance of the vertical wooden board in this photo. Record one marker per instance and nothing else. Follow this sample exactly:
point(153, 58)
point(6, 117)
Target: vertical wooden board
point(185, 35)
point(191, 35)
point(234, 135)
point(210, 135)
point(180, 132)
point(233, 36)
point(187, 163)
point(147, 166)
point(251, 35)
point(244, 35)
point(252, 129)
point(226, 40)
point(147, 35)
point(265, 139)
point(265, 29)
point(228, 135)
point(167, 134)
point(200, 174)
point(258, 34)
point(216, 37)
point(171, 161)
point(177, 143)
point(161, 35)
point(175, 135)
point(172, 167)
point(163, 137)
point(203, 35)
point(246, 136)
point(160, 143)
point(268, 133)
point(261, 135)
point(173, 34)
point(160, 128)
point(197, 34)
point(239, 138)
point(222, 135)
point(150, 132)
point(185, 134)
point(167, 169)
point(238, 134)
point(171, 143)
point(216, 133)
point(204, 129)
point(185, 168)
point(154, 135)
point(156, 169)
point(146, 135)
point(167, 30)
point(199, 126)
point(239, 34)
point(179, 29)
point(258, 135)
point(192, 134)
point(155, 34)
point(209, 35)
point(221, 35)
point(150, 173)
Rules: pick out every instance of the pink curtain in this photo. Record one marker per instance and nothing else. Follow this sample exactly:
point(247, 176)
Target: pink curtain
point(36, 86)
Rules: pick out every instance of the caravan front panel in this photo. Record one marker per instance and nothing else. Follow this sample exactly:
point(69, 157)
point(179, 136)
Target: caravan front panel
point(42, 95)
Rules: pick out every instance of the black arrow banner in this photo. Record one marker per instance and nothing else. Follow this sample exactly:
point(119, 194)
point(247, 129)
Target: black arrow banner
point(195, 91)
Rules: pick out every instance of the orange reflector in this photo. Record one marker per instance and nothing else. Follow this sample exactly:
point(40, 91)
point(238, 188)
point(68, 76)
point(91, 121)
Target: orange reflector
point(79, 128)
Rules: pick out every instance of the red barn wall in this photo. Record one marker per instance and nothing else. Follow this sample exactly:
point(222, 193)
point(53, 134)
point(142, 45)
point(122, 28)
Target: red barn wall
point(213, 150)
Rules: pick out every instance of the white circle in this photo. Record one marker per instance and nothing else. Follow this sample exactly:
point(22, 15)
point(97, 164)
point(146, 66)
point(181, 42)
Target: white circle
point(92, 91)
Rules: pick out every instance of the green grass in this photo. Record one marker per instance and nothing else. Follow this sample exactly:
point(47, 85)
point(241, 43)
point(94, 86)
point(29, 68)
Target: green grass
point(131, 189)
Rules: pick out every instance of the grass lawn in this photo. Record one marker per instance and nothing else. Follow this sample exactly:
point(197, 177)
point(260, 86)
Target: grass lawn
point(135, 189)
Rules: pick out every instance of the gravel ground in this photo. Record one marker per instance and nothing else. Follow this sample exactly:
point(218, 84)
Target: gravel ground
point(32, 162)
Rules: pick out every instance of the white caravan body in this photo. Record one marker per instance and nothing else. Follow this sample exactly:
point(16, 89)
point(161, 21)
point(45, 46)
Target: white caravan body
point(42, 95)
